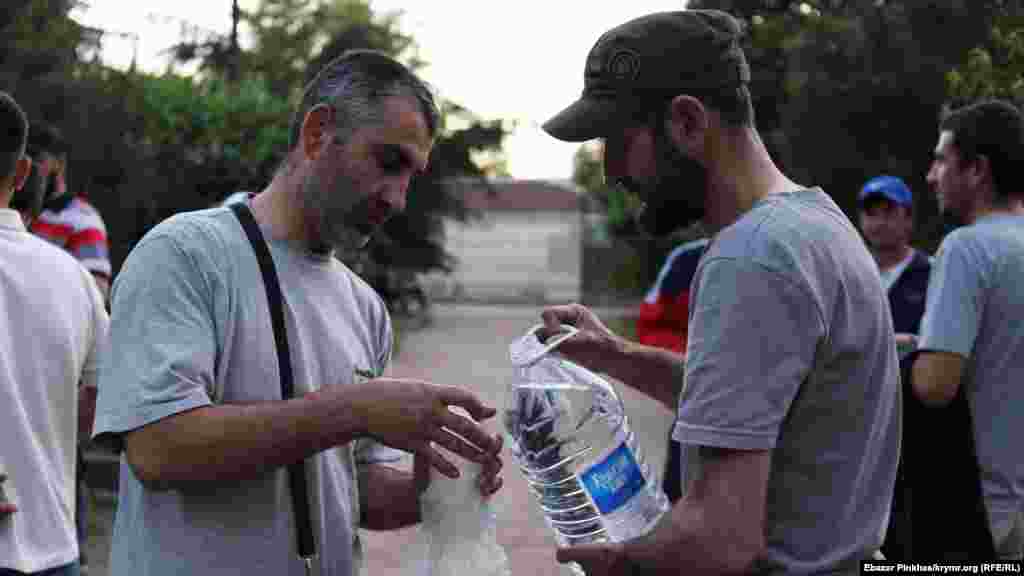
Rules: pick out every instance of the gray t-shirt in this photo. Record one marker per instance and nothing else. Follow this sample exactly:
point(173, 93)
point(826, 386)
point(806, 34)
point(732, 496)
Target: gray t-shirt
point(791, 349)
point(191, 328)
point(975, 309)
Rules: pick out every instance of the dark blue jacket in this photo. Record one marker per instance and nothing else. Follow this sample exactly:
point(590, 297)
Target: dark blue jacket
point(907, 296)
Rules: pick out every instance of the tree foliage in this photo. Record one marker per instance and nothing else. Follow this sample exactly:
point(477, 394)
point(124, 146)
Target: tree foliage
point(994, 69)
point(147, 146)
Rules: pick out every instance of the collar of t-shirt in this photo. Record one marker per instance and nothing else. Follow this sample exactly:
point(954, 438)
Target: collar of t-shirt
point(11, 220)
point(892, 274)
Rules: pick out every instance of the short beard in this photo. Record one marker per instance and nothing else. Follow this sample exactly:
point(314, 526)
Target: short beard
point(337, 223)
point(677, 197)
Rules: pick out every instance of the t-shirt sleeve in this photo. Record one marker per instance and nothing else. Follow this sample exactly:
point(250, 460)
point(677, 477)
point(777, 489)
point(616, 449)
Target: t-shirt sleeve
point(161, 351)
point(955, 301)
point(753, 338)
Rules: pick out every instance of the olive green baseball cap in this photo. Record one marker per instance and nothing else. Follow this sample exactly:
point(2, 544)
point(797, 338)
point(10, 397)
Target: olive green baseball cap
point(646, 61)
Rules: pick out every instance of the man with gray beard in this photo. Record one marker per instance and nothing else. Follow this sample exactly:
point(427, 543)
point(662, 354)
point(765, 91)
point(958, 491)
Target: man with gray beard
point(192, 392)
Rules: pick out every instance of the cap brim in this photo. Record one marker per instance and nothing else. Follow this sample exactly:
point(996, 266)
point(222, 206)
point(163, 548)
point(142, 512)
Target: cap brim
point(885, 195)
point(585, 119)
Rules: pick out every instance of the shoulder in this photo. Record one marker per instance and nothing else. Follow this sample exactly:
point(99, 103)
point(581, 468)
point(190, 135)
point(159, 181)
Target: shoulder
point(688, 252)
point(52, 259)
point(787, 233)
point(964, 241)
point(51, 254)
point(80, 215)
point(203, 239)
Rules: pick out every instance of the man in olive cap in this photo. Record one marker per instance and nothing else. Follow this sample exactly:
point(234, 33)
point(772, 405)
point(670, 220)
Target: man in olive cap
point(789, 417)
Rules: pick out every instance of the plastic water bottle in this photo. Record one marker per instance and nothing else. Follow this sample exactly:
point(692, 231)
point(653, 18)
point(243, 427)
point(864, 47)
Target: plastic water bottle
point(571, 437)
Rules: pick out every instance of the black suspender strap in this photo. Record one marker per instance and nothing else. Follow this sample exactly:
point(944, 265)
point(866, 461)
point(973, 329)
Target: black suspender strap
point(275, 301)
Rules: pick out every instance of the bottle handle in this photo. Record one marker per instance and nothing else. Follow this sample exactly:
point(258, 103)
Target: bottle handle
point(529, 348)
point(555, 341)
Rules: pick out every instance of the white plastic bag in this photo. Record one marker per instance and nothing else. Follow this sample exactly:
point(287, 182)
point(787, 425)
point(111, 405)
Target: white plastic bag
point(459, 528)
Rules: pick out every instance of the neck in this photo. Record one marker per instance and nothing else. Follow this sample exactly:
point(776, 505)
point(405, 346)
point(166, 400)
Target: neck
point(742, 173)
point(1014, 205)
point(889, 257)
point(278, 208)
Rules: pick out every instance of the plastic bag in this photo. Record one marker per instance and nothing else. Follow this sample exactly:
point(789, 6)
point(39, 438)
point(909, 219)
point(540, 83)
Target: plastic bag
point(459, 528)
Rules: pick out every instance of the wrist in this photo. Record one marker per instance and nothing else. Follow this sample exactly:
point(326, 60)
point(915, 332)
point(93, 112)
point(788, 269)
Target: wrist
point(345, 412)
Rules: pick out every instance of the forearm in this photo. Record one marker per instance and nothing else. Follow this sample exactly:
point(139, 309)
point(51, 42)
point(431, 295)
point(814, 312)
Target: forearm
point(388, 498)
point(656, 372)
point(686, 536)
point(233, 442)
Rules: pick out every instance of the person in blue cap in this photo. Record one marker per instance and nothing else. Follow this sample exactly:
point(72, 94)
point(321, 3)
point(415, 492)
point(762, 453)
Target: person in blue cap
point(886, 217)
point(886, 213)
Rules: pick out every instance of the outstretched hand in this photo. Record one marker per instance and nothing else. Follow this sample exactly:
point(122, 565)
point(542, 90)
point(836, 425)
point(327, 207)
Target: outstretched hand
point(488, 481)
point(412, 415)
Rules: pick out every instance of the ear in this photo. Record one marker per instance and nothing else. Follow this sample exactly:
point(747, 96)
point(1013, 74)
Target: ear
point(21, 171)
point(980, 171)
point(687, 123)
point(316, 130)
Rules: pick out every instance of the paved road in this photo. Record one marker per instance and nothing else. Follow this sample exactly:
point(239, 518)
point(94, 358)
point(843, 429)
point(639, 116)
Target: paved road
point(468, 346)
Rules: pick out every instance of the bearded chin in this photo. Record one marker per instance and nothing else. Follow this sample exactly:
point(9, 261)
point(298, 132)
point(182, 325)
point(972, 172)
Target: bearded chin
point(676, 199)
point(333, 218)
point(669, 210)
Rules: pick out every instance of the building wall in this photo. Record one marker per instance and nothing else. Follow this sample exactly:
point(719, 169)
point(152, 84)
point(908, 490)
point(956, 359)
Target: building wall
point(531, 256)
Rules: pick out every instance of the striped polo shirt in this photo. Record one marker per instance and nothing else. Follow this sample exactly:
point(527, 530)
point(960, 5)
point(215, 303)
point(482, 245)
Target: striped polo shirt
point(79, 229)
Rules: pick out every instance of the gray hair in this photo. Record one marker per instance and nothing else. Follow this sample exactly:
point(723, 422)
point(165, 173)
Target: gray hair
point(355, 84)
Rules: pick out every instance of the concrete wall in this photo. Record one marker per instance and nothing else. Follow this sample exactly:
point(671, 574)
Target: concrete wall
point(532, 256)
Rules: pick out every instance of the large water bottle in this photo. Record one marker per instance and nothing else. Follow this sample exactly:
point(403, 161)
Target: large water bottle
point(571, 437)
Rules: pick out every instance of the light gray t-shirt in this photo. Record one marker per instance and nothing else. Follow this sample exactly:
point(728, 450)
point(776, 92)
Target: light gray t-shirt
point(791, 349)
point(975, 308)
point(191, 327)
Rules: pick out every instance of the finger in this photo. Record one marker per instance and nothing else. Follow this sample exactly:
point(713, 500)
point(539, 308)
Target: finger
point(595, 554)
point(555, 316)
point(421, 472)
point(469, 430)
point(454, 396)
point(489, 485)
point(440, 463)
point(458, 446)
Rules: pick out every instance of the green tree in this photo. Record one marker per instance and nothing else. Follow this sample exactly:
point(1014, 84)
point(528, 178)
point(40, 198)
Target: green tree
point(847, 90)
point(38, 38)
point(995, 70)
point(293, 39)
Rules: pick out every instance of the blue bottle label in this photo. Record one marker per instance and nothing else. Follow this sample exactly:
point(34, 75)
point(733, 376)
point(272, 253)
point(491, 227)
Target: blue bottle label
point(614, 480)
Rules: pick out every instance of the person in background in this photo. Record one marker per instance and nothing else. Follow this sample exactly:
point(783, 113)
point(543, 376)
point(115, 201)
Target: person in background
point(885, 210)
point(68, 220)
point(51, 329)
point(971, 342)
point(71, 223)
point(662, 322)
point(886, 213)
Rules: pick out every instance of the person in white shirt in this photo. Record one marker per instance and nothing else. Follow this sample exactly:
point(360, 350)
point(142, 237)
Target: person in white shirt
point(53, 321)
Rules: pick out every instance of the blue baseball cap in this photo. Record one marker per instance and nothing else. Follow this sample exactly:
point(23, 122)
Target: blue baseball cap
point(889, 187)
